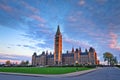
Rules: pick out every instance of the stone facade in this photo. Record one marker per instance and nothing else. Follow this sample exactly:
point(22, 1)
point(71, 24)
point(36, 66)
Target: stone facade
point(69, 58)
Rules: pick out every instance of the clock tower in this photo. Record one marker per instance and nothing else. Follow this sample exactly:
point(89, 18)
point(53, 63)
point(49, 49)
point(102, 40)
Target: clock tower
point(58, 47)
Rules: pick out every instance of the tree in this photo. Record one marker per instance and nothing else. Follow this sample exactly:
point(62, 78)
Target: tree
point(27, 62)
point(108, 57)
point(24, 63)
point(8, 63)
point(115, 61)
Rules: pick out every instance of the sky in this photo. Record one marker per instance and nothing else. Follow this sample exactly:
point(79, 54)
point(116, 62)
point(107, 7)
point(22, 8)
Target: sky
point(28, 26)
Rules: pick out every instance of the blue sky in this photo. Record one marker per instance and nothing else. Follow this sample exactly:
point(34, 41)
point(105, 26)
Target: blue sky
point(28, 26)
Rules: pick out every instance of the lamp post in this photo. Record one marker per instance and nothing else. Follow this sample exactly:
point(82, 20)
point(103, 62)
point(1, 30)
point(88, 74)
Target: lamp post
point(76, 62)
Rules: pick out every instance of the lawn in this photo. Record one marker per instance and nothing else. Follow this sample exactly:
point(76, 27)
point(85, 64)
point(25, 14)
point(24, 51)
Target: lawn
point(44, 70)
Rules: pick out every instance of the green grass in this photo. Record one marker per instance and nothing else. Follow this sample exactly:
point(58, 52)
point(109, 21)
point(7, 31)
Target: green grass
point(37, 70)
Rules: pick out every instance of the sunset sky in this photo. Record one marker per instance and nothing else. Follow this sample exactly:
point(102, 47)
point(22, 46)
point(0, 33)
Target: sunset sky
point(28, 26)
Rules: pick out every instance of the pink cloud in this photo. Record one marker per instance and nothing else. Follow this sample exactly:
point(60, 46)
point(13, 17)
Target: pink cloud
point(84, 44)
point(38, 18)
point(6, 8)
point(12, 11)
point(81, 2)
point(12, 61)
point(13, 58)
point(113, 42)
point(113, 27)
point(31, 8)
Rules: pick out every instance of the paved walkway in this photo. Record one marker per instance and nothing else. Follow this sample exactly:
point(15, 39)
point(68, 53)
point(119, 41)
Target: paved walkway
point(47, 75)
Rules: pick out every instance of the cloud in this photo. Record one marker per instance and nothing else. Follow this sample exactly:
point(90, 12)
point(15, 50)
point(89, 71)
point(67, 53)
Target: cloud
point(42, 47)
point(37, 33)
point(42, 25)
point(19, 45)
point(20, 16)
point(31, 44)
point(28, 46)
point(114, 28)
point(77, 24)
point(38, 18)
point(81, 2)
point(26, 18)
point(78, 43)
point(113, 42)
point(104, 14)
point(101, 1)
point(17, 14)
point(31, 8)
point(72, 19)
point(86, 28)
point(6, 8)
point(86, 32)
point(14, 58)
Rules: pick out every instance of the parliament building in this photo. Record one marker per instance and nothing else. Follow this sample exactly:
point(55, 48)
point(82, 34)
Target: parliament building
point(88, 57)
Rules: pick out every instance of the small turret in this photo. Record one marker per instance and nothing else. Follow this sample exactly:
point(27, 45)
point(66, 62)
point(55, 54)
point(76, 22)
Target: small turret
point(80, 49)
point(86, 50)
point(76, 50)
point(91, 49)
point(72, 50)
point(67, 52)
point(46, 52)
point(50, 53)
point(43, 53)
point(34, 54)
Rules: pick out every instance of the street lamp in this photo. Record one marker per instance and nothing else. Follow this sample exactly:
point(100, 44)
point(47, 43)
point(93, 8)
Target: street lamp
point(76, 62)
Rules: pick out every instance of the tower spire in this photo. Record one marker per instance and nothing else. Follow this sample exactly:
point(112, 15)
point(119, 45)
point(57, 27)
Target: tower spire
point(72, 49)
point(80, 49)
point(58, 30)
